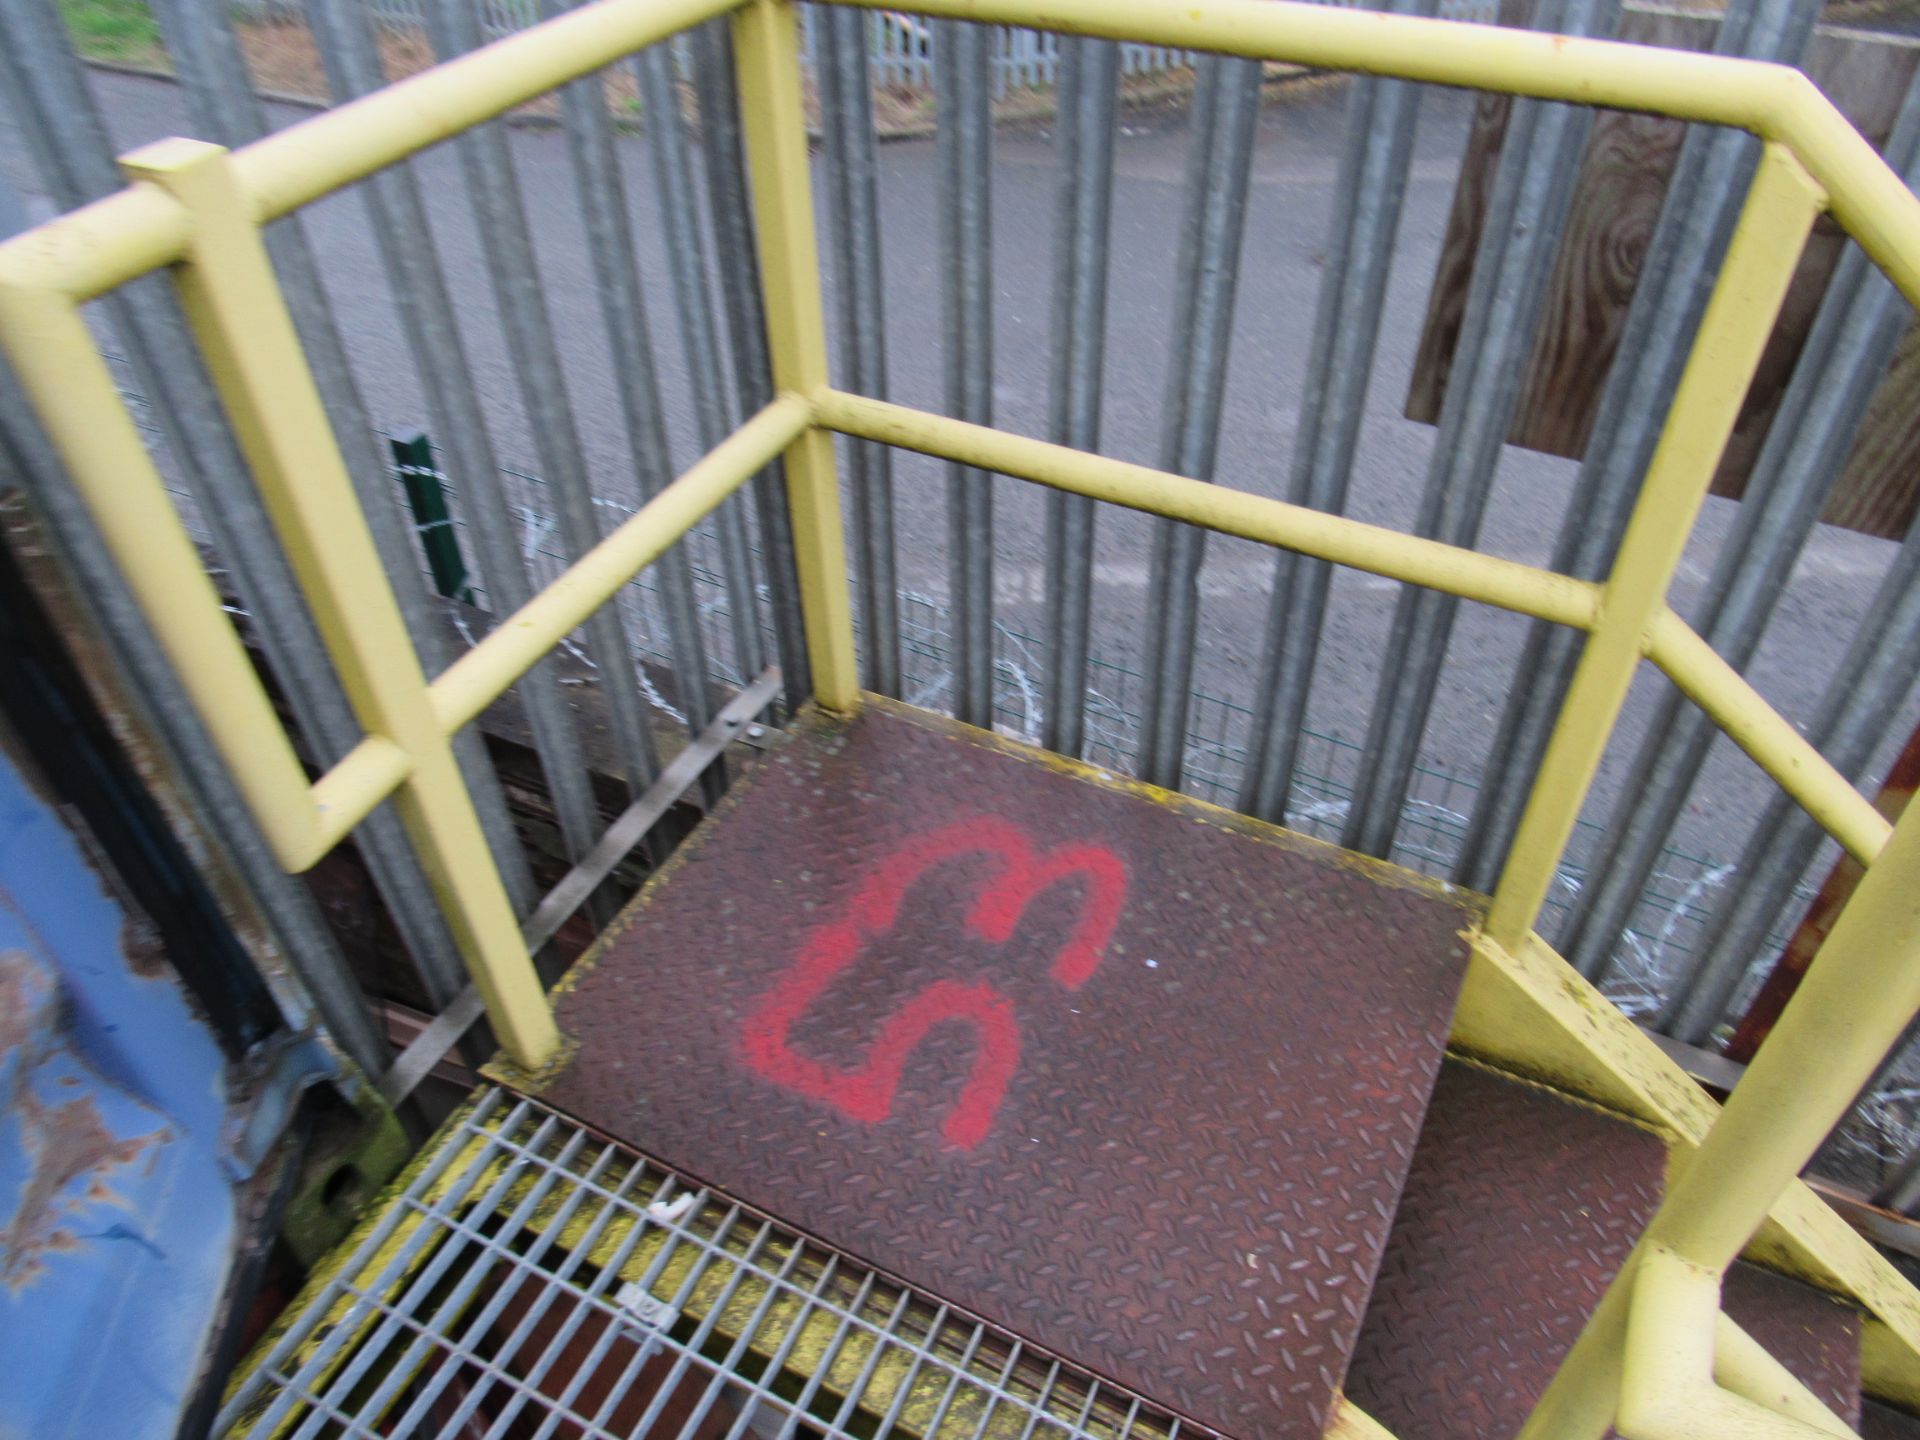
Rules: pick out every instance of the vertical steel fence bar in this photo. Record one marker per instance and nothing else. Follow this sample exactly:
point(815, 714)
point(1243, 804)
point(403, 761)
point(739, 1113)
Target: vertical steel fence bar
point(733, 244)
point(1367, 199)
point(1848, 349)
point(1704, 196)
point(1782, 204)
point(1868, 686)
point(965, 166)
point(1089, 92)
point(286, 904)
point(50, 87)
point(1533, 191)
point(1226, 109)
point(693, 307)
point(629, 338)
point(223, 108)
point(845, 83)
point(1887, 1193)
point(1901, 1189)
point(774, 129)
point(400, 230)
point(500, 217)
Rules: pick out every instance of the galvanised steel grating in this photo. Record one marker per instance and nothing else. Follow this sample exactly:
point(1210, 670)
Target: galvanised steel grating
point(532, 1279)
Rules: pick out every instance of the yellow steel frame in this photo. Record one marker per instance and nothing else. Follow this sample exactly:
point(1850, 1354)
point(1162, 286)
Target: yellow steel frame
point(1657, 1357)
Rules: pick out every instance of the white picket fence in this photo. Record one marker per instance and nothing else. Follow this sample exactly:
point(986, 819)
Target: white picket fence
point(497, 17)
point(902, 49)
point(902, 44)
point(902, 54)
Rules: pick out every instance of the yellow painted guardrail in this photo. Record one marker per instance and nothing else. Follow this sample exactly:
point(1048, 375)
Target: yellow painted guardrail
point(1656, 1354)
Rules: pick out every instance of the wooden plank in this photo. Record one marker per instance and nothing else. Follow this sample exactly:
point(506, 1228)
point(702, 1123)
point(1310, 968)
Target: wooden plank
point(1879, 491)
point(1447, 300)
point(1628, 163)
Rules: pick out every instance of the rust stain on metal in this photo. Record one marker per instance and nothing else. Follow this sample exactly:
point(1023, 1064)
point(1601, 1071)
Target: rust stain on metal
point(71, 1155)
point(1137, 1081)
point(99, 671)
point(18, 1002)
point(140, 942)
point(1518, 1210)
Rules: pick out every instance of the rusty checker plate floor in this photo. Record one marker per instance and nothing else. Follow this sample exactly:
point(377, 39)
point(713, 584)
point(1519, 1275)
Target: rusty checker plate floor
point(1519, 1210)
point(1136, 1079)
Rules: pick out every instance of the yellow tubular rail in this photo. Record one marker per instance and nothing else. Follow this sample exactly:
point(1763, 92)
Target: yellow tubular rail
point(74, 394)
point(1353, 543)
point(228, 290)
point(1766, 735)
point(482, 675)
point(1704, 1378)
point(767, 53)
point(1782, 204)
point(1656, 1357)
point(99, 246)
point(1774, 102)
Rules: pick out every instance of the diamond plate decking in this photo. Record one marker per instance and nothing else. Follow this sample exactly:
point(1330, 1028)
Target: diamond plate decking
point(1135, 1078)
point(1877, 1422)
point(1519, 1210)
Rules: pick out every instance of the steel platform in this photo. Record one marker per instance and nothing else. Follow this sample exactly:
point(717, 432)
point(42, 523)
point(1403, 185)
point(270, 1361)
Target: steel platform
point(1132, 1077)
point(1519, 1210)
point(529, 1278)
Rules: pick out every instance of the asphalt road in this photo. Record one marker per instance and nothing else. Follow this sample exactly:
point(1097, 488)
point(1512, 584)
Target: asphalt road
point(1287, 220)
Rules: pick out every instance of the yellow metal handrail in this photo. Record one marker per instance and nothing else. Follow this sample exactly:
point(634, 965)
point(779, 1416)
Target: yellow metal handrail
point(1669, 642)
point(200, 208)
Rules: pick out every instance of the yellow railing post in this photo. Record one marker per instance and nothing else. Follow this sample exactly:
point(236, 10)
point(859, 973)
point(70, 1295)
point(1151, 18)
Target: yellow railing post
point(233, 302)
point(1781, 207)
point(767, 57)
point(58, 365)
point(1858, 997)
point(1856, 1001)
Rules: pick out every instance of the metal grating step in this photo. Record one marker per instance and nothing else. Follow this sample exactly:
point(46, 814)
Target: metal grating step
point(532, 1279)
point(1135, 1078)
point(1518, 1211)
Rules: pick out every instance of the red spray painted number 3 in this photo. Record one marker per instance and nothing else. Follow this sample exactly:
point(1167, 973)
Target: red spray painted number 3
point(1018, 877)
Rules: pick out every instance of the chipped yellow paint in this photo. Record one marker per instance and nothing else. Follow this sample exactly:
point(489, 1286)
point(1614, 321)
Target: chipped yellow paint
point(1350, 1422)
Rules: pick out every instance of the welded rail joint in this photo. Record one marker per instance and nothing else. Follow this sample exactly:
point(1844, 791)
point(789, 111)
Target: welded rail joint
point(200, 209)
